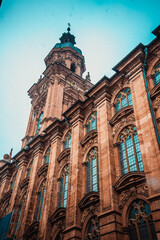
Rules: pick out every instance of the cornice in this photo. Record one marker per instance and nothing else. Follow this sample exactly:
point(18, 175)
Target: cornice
point(155, 91)
point(124, 112)
point(89, 199)
point(88, 137)
point(64, 154)
point(128, 180)
point(43, 170)
point(24, 183)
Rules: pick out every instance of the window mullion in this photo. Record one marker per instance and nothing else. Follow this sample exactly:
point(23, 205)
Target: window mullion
point(126, 155)
point(64, 179)
point(135, 153)
point(91, 186)
point(127, 99)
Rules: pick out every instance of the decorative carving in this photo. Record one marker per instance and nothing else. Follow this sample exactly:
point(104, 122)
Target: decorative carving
point(92, 210)
point(143, 190)
point(92, 135)
point(123, 121)
point(156, 103)
point(43, 170)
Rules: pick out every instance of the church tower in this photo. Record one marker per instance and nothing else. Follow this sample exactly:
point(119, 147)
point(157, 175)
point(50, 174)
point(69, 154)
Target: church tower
point(60, 87)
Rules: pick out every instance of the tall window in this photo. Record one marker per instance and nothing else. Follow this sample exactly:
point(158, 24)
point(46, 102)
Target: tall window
point(140, 223)
point(67, 141)
point(40, 200)
point(19, 216)
point(129, 151)
point(93, 229)
point(92, 122)
point(47, 156)
point(13, 181)
point(157, 74)
point(39, 122)
point(124, 99)
point(92, 170)
point(64, 187)
point(29, 169)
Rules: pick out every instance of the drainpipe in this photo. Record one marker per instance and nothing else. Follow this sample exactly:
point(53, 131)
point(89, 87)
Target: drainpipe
point(148, 95)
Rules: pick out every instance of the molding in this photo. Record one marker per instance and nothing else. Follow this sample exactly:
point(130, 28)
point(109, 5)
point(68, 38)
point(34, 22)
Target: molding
point(124, 112)
point(88, 200)
point(128, 180)
point(64, 154)
point(24, 183)
point(43, 170)
point(92, 134)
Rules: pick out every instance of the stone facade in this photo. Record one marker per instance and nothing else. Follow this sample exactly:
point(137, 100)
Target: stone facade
point(90, 156)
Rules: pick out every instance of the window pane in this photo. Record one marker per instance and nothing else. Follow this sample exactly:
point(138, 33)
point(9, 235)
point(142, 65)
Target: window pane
point(88, 177)
point(157, 78)
point(123, 161)
point(88, 127)
point(130, 99)
point(69, 142)
point(93, 124)
point(124, 102)
point(61, 192)
point(94, 188)
point(131, 156)
point(117, 106)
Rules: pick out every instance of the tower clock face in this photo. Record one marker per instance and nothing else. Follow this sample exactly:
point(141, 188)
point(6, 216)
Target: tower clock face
point(75, 85)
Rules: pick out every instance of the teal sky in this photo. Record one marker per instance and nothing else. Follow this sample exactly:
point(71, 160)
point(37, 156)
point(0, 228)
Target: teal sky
point(106, 31)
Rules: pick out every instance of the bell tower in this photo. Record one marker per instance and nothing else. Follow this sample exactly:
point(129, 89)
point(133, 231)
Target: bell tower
point(61, 86)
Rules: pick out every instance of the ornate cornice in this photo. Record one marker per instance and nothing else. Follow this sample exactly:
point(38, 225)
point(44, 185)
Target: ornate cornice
point(32, 230)
point(88, 200)
point(58, 215)
point(43, 170)
point(92, 134)
point(124, 112)
point(128, 180)
point(24, 183)
point(64, 154)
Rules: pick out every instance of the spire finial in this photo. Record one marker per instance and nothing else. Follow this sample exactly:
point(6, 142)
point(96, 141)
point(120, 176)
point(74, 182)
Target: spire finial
point(69, 29)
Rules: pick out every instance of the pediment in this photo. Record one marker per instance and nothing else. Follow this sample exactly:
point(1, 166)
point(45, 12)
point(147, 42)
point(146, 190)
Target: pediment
point(32, 230)
point(124, 112)
point(88, 136)
point(128, 180)
point(155, 91)
point(64, 154)
point(88, 200)
point(58, 215)
point(24, 182)
point(43, 169)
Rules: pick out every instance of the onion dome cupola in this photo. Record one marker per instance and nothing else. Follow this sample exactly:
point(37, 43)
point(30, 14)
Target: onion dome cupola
point(67, 54)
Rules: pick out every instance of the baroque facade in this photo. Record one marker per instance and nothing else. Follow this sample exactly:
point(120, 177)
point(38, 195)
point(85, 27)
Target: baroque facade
point(89, 166)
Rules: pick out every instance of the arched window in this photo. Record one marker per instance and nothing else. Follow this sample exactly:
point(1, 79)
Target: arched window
point(40, 200)
point(124, 99)
point(29, 169)
point(47, 156)
point(129, 151)
point(13, 181)
point(157, 74)
point(93, 229)
point(92, 122)
point(64, 187)
point(92, 170)
point(67, 141)
point(140, 222)
point(39, 122)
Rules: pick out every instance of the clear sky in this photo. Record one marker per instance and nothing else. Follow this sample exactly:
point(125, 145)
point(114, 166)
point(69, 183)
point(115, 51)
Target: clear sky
point(105, 30)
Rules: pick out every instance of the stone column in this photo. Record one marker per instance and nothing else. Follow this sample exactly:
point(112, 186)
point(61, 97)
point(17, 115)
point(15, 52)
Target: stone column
point(51, 192)
point(73, 221)
point(109, 217)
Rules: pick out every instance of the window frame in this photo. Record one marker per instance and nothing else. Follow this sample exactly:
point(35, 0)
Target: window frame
point(40, 201)
point(132, 131)
point(91, 117)
point(90, 161)
point(39, 122)
point(63, 184)
point(119, 99)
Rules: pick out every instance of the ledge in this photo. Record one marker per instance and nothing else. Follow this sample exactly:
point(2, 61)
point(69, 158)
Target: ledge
point(88, 136)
